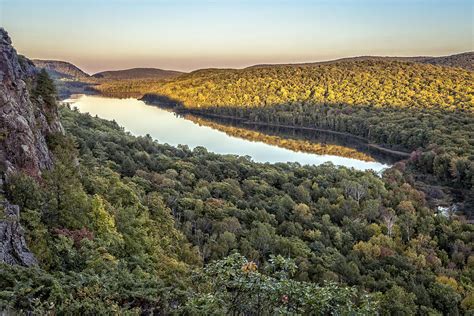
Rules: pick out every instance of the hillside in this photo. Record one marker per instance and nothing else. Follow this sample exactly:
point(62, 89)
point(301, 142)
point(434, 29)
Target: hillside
point(137, 73)
point(368, 82)
point(462, 60)
point(61, 69)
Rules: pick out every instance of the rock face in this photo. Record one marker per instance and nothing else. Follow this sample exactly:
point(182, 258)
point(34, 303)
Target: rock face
point(25, 122)
point(13, 248)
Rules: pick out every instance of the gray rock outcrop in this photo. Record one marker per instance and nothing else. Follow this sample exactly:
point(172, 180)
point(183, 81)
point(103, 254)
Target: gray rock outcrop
point(13, 248)
point(25, 123)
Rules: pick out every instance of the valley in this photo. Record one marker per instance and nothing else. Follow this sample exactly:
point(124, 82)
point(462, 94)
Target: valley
point(331, 188)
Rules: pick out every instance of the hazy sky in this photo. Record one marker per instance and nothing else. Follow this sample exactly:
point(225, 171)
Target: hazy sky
point(189, 34)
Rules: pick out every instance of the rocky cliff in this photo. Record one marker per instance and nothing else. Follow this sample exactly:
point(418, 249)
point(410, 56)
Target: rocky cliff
point(26, 119)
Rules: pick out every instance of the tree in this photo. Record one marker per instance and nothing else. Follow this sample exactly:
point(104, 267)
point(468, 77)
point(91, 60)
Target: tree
point(397, 301)
point(45, 88)
point(236, 286)
point(102, 222)
point(389, 219)
point(445, 298)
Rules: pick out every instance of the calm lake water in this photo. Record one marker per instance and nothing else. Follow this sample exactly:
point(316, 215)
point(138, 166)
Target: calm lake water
point(166, 127)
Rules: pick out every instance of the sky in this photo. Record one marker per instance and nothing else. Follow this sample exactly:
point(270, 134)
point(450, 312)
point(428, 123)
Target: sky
point(185, 35)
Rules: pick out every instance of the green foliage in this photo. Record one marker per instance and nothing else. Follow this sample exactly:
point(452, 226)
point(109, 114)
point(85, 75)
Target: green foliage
point(397, 301)
point(125, 223)
point(235, 286)
point(316, 215)
point(45, 88)
point(102, 221)
point(113, 291)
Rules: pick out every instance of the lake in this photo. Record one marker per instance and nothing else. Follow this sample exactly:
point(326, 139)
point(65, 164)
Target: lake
point(166, 127)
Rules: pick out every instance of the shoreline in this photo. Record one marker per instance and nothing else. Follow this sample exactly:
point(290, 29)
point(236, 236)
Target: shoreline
point(399, 153)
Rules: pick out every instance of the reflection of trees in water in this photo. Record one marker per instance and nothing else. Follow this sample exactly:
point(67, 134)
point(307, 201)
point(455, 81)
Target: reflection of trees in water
point(329, 138)
point(322, 143)
point(302, 145)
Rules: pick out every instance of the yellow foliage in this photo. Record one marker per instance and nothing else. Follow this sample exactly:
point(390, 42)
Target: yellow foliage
point(312, 234)
point(377, 83)
point(443, 279)
point(103, 222)
point(468, 302)
point(249, 267)
point(367, 249)
point(375, 229)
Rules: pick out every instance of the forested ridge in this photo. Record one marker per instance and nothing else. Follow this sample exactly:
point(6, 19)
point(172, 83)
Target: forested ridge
point(461, 60)
point(370, 82)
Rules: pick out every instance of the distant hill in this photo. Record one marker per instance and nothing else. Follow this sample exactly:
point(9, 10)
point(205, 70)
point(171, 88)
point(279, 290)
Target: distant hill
point(138, 73)
point(462, 60)
point(61, 69)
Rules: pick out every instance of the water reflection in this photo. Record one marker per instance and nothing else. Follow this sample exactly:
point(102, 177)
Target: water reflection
point(166, 127)
point(293, 144)
point(305, 140)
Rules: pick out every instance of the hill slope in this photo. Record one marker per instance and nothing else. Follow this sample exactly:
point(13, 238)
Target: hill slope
point(61, 69)
point(462, 60)
point(138, 73)
point(400, 105)
point(366, 82)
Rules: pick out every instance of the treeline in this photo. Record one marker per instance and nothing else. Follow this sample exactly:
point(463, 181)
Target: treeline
point(126, 87)
point(123, 223)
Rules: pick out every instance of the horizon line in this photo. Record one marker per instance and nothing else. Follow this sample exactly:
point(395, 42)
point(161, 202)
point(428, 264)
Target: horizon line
point(257, 64)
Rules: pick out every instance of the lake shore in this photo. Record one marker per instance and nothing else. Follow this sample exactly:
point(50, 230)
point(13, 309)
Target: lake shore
point(401, 154)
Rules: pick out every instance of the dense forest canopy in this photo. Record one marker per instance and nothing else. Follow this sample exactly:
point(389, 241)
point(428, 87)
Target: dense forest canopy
point(377, 83)
point(138, 226)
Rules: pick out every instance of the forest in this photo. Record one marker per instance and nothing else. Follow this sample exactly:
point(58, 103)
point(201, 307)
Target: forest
point(422, 109)
point(120, 224)
point(378, 83)
point(237, 158)
point(123, 224)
